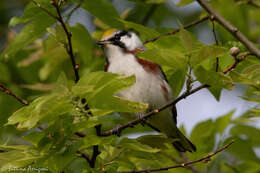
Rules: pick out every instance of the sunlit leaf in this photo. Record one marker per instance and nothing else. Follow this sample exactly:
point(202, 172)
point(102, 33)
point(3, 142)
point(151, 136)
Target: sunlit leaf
point(104, 11)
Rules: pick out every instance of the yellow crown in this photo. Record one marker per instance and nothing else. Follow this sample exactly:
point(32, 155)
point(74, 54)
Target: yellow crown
point(108, 33)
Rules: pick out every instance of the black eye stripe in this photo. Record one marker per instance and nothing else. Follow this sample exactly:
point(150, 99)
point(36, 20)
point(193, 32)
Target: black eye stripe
point(122, 33)
point(116, 38)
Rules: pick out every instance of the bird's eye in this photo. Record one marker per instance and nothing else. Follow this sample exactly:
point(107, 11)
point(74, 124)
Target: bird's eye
point(117, 37)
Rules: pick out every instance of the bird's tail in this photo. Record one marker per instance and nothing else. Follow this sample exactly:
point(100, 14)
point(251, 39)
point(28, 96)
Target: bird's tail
point(182, 143)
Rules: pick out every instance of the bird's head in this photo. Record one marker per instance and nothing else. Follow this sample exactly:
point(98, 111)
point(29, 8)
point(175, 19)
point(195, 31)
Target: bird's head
point(114, 40)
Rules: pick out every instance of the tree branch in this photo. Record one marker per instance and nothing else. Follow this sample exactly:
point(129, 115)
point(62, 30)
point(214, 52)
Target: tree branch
point(186, 159)
point(96, 152)
point(8, 92)
point(234, 31)
point(69, 35)
point(183, 165)
point(149, 114)
point(178, 30)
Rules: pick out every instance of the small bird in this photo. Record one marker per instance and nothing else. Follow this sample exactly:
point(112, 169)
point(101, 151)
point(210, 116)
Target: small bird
point(151, 87)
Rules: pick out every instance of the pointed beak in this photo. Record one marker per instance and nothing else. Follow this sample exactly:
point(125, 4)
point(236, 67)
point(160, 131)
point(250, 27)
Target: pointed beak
point(104, 42)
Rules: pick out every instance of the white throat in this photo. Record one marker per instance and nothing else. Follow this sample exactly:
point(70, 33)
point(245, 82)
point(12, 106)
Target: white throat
point(114, 53)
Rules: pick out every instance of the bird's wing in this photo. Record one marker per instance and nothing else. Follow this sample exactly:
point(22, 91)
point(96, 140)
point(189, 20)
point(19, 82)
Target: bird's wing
point(174, 110)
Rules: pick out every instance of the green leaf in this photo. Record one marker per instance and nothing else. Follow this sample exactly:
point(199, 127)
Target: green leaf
point(31, 12)
point(203, 136)
point(155, 1)
point(60, 158)
point(248, 166)
point(134, 145)
point(243, 149)
point(104, 11)
point(58, 34)
point(186, 39)
point(149, 1)
point(216, 92)
point(214, 79)
point(144, 31)
point(35, 29)
point(42, 109)
point(165, 57)
point(17, 157)
point(5, 76)
point(252, 133)
point(207, 52)
point(155, 141)
point(253, 72)
point(185, 2)
point(34, 137)
point(54, 58)
point(91, 140)
point(82, 43)
point(176, 80)
point(223, 121)
point(98, 87)
point(242, 78)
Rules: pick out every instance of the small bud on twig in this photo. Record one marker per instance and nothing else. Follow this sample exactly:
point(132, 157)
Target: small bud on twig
point(53, 2)
point(234, 51)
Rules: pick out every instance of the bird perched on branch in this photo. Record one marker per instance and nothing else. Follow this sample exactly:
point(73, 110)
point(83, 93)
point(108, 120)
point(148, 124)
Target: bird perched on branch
point(151, 87)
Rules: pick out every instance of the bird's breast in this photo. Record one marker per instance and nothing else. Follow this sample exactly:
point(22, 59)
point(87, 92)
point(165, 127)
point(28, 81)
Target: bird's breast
point(149, 88)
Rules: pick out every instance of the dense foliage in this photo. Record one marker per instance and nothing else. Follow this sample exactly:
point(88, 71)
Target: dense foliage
point(48, 133)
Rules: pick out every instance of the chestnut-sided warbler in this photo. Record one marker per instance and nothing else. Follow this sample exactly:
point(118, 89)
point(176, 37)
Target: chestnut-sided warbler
point(151, 85)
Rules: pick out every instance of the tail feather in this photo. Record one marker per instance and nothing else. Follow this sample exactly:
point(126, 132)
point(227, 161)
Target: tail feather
point(183, 144)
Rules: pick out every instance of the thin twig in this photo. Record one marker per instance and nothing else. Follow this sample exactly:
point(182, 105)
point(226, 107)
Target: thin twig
point(216, 41)
point(251, 2)
point(8, 92)
point(149, 14)
point(178, 30)
point(232, 168)
point(237, 60)
point(73, 10)
point(83, 155)
point(185, 159)
point(44, 9)
point(183, 165)
point(149, 114)
point(233, 30)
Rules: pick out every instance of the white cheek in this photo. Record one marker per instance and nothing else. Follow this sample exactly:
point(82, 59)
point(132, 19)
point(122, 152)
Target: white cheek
point(128, 42)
